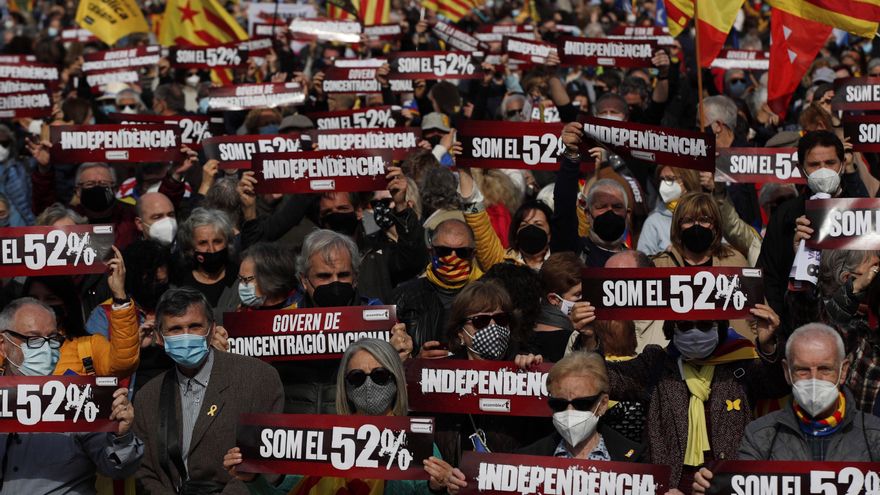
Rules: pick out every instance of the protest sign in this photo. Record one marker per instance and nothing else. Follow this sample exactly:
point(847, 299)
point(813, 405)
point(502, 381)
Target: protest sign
point(495, 33)
point(321, 171)
point(366, 447)
point(659, 34)
point(856, 93)
point(434, 65)
point(655, 144)
point(688, 293)
point(863, 132)
point(525, 145)
point(239, 151)
point(80, 35)
point(362, 118)
point(47, 250)
point(193, 128)
point(126, 58)
point(455, 38)
point(98, 81)
point(248, 96)
point(758, 165)
point(527, 50)
point(29, 71)
point(7, 86)
point(545, 111)
point(32, 104)
point(16, 59)
point(606, 52)
point(361, 80)
point(326, 30)
point(229, 55)
point(258, 46)
point(501, 474)
point(383, 32)
point(844, 223)
point(115, 143)
point(281, 13)
point(306, 333)
point(399, 141)
point(796, 478)
point(56, 404)
point(476, 387)
point(742, 59)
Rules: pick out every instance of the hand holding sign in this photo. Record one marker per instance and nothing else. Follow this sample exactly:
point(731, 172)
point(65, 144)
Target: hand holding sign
point(401, 341)
point(230, 462)
point(702, 481)
point(802, 231)
point(247, 196)
point(765, 321)
point(122, 411)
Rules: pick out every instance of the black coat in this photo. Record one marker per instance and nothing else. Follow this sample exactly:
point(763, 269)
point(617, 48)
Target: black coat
point(419, 306)
point(619, 447)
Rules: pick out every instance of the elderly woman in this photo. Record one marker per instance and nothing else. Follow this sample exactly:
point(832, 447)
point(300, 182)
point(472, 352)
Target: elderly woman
point(370, 381)
point(206, 247)
point(58, 215)
point(672, 184)
point(266, 280)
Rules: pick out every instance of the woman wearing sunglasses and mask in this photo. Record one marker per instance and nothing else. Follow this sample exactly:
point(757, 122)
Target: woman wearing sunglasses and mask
point(371, 382)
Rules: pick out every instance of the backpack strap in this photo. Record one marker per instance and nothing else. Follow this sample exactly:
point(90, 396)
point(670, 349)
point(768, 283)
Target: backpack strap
point(84, 350)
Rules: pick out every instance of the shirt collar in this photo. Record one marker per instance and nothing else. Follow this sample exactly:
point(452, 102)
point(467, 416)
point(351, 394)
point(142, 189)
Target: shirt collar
point(204, 373)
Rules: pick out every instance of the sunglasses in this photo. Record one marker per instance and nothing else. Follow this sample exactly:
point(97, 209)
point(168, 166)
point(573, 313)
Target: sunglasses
point(128, 107)
point(356, 378)
point(703, 326)
point(465, 253)
point(513, 113)
point(581, 403)
point(482, 321)
point(737, 81)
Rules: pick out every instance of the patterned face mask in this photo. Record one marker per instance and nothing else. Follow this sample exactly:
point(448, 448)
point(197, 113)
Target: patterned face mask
point(451, 269)
point(371, 398)
point(490, 342)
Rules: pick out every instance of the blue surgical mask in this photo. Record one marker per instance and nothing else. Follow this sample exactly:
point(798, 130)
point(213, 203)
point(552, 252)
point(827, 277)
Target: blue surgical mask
point(108, 109)
point(248, 295)
point(268, 129)
point(187, 350)
point(36, 362)
point(52, 32)
point(203, 105)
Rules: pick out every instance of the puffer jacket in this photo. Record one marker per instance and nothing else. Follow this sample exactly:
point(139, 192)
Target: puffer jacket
point(119, 356)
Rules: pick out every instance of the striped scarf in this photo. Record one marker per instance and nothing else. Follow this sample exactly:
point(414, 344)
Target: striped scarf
point(820, 427)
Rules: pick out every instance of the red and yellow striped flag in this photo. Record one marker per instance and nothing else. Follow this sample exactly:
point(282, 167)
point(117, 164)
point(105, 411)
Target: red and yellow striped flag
point(859, 17)
point(716, 20)
point(453, 10)
point(369, 12)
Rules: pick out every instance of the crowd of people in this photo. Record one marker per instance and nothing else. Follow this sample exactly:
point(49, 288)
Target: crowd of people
point(481, 264)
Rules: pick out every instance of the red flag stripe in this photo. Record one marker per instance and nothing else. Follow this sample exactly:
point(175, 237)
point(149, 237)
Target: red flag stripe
point(852, 8)
point(220, 23)
point(206, 37)
point(712, 42)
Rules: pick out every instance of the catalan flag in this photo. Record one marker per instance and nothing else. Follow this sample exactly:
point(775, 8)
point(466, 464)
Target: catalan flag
point(859, 17)
point(716, 20)
point(369, 12)
point(453, 10)
point(110, 20)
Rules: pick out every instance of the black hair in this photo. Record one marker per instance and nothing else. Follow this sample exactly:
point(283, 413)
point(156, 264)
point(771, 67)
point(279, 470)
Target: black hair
point(524, 286)
point(520, 214)
point(176, 302)
point(142, 259)
point(813, 139)
point(64, 288)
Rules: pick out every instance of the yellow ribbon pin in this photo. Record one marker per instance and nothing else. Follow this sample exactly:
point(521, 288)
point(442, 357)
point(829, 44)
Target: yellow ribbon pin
point(733, 404)
point(213, 409)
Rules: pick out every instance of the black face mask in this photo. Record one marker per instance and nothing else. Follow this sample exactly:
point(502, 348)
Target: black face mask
point(343, 223)
point(609, 226)
point(333, 294)
point(211, 262)
point(434, 140)
point(697, 239)
point(97, 199)
point(531, 239)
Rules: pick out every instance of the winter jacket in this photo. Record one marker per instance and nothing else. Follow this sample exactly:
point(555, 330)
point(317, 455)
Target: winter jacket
point(654, 238)
point(15, 184)
point(95, 354)
point(420, 306)
point(619, 447)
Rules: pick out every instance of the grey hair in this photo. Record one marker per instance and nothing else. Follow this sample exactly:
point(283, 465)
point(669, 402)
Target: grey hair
point(385, 354)
point(720, 108)
point(90, 165)
point(57, 211)
point(130, 93)
point(834, 263)
point(326, 242)
point(223, 195)
point(200, 217)
point(771, 191)
point(449, 224)
point(274, 268)
point(751, 42)
point(607, 184)
point(511, 98)
point(7, 316)
point(810, 331)
point(873, 63)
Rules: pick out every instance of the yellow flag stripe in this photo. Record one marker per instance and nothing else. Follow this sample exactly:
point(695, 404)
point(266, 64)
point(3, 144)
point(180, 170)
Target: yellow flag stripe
point(859, 27)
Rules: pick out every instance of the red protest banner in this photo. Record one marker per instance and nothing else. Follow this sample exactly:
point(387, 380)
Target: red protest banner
point(193, 128)
point(795, 477)
point(476, 387)
point(99, 79)
point(366, 447)
point(525, 145)
point(115, 143)
point(81, 35)
point(32, 104)
point(306, 333)
point(56, 404)
point(856, 93)
point(125, 58)
point(29, 71)
point(658, 34)
point(655, 144)
point(494, 33)
point(383, 32)
point(363, 118)
point(687, 293)
point(606, 52)
point(239, 151)
point(742, 59)
point(841, 223)
point(228, 55)
point(399, 141)
point(70, 250)
point(527, 50)
point(326, 30)
point(17, 59)
point(863, 131)
point(359, 76)
point(257, 46)
point(501, 474)
point(7, 87)
point(434, 65)
point(320, 171)
point(455, 38)
point(758, 165)
point(248, 96)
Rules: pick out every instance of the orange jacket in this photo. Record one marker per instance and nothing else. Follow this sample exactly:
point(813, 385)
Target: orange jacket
point(118, 356)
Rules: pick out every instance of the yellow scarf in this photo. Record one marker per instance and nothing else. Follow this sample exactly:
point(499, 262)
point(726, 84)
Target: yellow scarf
point(699, 384)
point(671, 205)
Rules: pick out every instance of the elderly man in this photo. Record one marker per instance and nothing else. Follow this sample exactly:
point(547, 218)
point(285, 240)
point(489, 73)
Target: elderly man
point(823, 423)
point(57, 462)
point(156, 218)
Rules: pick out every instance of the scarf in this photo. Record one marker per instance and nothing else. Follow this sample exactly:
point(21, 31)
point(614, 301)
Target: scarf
point(452, 272)
point(820, 427)
point(671, 205)
point(552, 317)
point(317, 485)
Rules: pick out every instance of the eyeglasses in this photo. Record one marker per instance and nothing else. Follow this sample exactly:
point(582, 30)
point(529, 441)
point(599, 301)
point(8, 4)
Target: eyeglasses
point(128, 107)
point(669, 180)
point(465, 253)
point(35, 342)
point(688, 222)
point(356, 378)
point(513, 113)
point(93, 183)
point(482, 321)
point(581, 403)
point(246, 280)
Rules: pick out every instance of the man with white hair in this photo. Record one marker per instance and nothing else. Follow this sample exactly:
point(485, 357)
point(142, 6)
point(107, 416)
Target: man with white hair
point(823, 423)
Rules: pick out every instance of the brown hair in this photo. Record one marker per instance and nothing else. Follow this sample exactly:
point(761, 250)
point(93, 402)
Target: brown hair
point(812, 116)
point(694, 205)
point(476, 297)
point(618, 337)
point(560, 272)
point(689, 177)
point(580, 364)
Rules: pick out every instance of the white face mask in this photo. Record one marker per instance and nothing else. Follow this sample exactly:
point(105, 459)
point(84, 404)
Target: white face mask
point(575, 426)
point(35, 127)
point(815, 395)
point(129, 110)
point(669, 192)
point(163, 230)
point(824, 180)
point(193, 80)
point(565, 305)
point(4, 153)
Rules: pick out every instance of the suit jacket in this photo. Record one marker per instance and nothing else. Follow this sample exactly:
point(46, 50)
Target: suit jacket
point(237, 385)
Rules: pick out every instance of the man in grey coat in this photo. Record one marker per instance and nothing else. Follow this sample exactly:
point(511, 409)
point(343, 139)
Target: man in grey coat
point(823, 423)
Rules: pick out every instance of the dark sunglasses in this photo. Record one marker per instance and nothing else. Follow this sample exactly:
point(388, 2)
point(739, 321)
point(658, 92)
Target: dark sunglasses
point(356, 378)
point(482, 321)
point(737, 81)
point(128, 107)
point(513, 113)
point(465, 253)
point(581, 403)
point(703, 326)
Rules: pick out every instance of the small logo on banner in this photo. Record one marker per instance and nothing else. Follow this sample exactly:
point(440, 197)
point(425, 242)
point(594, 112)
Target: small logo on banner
point(117, 155)
point(323, 185)
point(106, 381)
point(102, 229)
point(495, 405)
point(421, 425)
point(751, 272)
point(376, 314)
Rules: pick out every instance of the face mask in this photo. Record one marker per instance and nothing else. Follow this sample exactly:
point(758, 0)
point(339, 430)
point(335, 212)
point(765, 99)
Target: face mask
point(490, 342)
point(343, 223)
point(531, 239)
point(609, 226)
point(451, 269)
point(187, 350)
point(565, 305)
point(203, 105)
point(97, 199)
point(107, 109)
point(129, 110)
point(163, 230)
point(248, 295)
point(612, 116)
point(695, 343)
point(35, 128)
point(211, 262)
point(824, 180)
point(737, 88)
point(52, 32)
point(4, 153)
point(669, 192)
point(434, 140)
point(575, 426)
point(193, 80)
point(814, 395)
point(372, 399)
point(36, 362)
point(333, 294)
point(697, 239)
point(268, 129)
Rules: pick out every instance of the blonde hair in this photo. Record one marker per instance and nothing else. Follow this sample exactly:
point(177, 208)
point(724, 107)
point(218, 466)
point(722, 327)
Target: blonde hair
point(589, 365)
point(498, 188)
point(689, 177)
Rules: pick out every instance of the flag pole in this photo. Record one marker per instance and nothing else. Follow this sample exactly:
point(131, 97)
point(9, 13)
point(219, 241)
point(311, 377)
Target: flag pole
point(699, 67)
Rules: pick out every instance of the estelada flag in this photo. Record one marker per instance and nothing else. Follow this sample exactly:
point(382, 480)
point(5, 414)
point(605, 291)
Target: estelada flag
point(369, 12)
point(110, 20)
point(716, 20)
point(453, 10)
